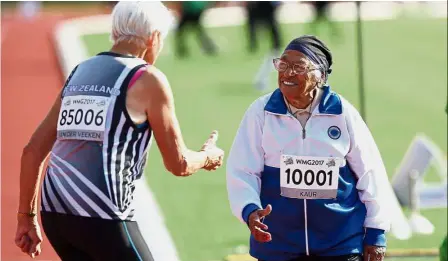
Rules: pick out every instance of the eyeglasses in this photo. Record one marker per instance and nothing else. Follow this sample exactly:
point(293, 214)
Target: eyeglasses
point(298, 69)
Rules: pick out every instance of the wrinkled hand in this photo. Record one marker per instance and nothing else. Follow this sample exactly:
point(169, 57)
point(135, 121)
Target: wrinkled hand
point(215, 155)
point(257, 228)
point(374, 253)
point(28, 235)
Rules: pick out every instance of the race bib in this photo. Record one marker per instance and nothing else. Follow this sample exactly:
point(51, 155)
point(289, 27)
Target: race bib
point(83, 117)
point(309, 177)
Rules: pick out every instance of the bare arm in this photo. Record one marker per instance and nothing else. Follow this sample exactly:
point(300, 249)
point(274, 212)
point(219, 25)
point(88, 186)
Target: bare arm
point(156, 93)
point(28, 236)
point(33, 155)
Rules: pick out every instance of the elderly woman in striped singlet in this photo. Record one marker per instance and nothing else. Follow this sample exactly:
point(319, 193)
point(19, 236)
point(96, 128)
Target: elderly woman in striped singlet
point(98, 134)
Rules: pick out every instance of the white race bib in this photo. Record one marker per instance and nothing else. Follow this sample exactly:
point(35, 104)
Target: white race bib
point(83, 117)
point(309, 177)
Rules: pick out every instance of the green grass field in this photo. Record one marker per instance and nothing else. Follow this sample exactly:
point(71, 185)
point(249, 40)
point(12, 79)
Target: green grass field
point(406, 93)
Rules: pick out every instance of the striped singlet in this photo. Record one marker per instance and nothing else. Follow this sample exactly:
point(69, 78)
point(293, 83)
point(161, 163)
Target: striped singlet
point(99, 154)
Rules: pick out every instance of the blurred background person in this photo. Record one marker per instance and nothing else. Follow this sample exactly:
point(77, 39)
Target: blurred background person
point(190, 15)
point(443, 250)
point(321, 16)
point(261, 14)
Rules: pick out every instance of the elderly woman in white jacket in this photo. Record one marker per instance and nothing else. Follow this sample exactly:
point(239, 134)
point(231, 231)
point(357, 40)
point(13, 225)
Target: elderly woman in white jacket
point(304, 171)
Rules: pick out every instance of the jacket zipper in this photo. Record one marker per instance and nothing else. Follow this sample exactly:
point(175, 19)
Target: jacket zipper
point(304, 200)
point(306, 229)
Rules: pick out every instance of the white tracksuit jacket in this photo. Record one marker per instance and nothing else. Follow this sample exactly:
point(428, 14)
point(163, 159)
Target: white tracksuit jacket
point(298, 227)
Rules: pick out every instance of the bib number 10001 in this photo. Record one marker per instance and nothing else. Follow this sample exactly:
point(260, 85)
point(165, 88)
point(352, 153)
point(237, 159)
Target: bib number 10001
point(309, 177)
point(78, 116)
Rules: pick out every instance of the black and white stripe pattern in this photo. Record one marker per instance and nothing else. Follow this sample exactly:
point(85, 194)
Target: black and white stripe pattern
point(118, 150)
point(70, 190)
point(125, 156)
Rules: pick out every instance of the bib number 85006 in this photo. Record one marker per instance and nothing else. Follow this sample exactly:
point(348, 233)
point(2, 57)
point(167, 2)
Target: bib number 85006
point(68, 117)
point(309, 177)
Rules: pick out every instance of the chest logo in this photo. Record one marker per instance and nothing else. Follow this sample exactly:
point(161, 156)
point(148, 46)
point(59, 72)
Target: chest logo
point(334, 132)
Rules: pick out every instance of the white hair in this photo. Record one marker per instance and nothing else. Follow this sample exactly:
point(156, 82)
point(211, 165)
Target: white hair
point(321, 79)
point(135, 21)
point(320, 75)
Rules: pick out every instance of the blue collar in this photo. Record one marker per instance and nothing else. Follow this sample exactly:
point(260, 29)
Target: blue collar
point(330, 103)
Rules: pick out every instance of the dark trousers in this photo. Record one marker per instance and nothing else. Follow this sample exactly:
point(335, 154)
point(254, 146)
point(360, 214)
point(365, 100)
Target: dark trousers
point(262, 14)
point(194, 21)
point(352, 257)
point(77, 238)
point(321, 8)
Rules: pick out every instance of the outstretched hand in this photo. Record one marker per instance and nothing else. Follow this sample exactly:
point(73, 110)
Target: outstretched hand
point(257, 228)
point(215, 155)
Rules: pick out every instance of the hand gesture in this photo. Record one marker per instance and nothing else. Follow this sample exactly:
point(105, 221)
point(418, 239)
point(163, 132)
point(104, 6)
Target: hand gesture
point(215, 155)
point(374, 253)
point(257, 228)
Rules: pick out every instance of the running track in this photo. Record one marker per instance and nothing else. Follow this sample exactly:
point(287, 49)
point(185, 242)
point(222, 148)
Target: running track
point(30, 81)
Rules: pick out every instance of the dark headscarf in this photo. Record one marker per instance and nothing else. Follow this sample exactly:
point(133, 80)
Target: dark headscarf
point(315, 50)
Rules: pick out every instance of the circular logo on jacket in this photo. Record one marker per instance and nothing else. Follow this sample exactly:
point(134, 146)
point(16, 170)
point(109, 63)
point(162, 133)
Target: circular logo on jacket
point(334, 132)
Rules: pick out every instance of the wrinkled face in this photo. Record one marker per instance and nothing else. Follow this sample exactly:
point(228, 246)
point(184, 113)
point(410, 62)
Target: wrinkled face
point(297, 75)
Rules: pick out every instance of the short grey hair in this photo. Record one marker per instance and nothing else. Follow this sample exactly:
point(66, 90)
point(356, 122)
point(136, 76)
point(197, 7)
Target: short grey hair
point(135, 21)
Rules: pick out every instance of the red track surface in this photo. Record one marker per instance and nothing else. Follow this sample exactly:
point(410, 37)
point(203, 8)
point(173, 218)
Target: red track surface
point(30, 81)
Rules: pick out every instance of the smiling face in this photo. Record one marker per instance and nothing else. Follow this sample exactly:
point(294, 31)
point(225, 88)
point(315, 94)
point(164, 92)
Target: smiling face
point(297, 76)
